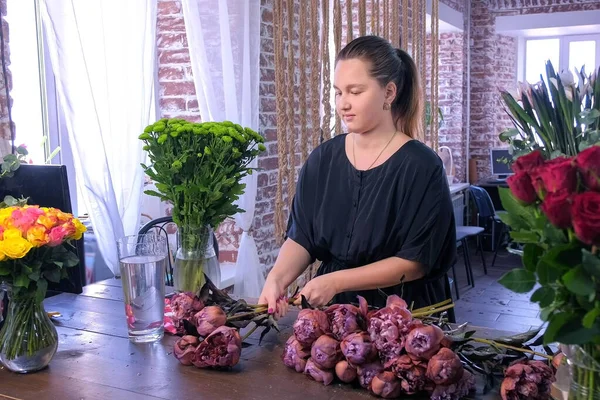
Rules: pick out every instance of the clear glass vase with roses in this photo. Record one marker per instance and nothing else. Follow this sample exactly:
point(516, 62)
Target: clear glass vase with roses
point(34, 249)
point(553, 208)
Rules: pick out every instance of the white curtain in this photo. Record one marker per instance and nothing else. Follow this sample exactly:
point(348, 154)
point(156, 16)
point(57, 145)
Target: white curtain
point(224, 43)
point(104, 60)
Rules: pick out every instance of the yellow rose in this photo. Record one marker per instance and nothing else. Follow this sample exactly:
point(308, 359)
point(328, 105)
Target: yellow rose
point(79, 229)
point(48, 220)
point(5, 213)
point(12, 233)
point(15, 247)
point(2, 256)
point(37, 235)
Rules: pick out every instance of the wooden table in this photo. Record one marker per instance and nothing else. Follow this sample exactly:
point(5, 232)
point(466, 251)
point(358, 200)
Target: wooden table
point(96, 360)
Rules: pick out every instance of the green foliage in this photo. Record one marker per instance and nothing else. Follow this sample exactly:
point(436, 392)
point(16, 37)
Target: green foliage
point(198, 167)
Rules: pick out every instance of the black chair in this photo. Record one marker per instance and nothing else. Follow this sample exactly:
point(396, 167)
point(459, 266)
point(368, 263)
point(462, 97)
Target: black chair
point(160, 225)
point(487, 217)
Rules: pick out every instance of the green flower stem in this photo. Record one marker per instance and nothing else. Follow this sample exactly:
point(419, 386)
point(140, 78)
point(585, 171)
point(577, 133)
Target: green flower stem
point(494, 343)
point(24, 332)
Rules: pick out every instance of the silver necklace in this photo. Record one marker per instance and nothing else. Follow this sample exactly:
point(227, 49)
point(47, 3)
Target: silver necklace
point(377, 158)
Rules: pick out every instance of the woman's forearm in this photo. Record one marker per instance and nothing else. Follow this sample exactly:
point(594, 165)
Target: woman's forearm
point(381, 274)
point(292, 260)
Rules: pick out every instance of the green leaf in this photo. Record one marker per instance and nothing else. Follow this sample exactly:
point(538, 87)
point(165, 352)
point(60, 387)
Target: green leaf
point(590, 317)
point(591, 263)
point(519, 339)
point(525, 237)
point(21, 280)
point(524, 214)
point(42, 287)
point(556, 322)
point(70, 259)
point(518, 280)
point(53, 275)
point(546, 312)
point(4, 268)
point(573, 332)
point(578, 282)
point(544, 296)
point(557, 261)
point(531, 256)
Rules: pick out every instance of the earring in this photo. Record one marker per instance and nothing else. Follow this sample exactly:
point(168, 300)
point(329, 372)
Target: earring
point(386, 106)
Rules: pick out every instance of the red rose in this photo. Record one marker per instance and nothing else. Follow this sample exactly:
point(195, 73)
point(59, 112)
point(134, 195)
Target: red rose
point(557, 207)
point(558, 174)
point(588, 163)
point(521, 187)
point(528, 162)
point(586, 217)
point(536, 180)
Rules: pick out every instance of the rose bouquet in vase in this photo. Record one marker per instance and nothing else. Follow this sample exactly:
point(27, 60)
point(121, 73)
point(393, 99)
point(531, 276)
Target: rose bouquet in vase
point(553, 208)
point(34, 249)
point(198, 168)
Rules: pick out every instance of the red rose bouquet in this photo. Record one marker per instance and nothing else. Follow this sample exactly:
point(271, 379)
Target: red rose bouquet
point(553, 208)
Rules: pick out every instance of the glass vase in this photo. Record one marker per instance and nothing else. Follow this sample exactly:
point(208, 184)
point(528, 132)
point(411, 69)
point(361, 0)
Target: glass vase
point(195, 257)
point(28, 338)
point(584, 367)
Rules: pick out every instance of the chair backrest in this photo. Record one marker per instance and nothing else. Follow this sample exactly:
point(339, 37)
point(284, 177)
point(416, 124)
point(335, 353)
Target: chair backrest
point(483, 202)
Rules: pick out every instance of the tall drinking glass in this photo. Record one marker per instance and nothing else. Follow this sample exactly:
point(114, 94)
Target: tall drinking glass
point(143, 264)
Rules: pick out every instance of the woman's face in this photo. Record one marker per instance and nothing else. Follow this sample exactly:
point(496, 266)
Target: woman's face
point(359, 98)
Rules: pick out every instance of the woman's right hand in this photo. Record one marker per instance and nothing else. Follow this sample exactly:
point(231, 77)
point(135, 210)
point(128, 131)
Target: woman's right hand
point(273, 295)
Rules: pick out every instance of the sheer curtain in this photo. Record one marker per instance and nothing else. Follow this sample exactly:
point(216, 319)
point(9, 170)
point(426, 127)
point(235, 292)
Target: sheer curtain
point(103, 56)
point(224, 43)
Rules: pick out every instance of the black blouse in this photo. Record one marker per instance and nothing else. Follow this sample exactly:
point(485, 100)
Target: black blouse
point(348, 218)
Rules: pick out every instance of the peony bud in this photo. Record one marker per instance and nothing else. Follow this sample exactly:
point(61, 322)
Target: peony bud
point(367, 372)
point(310, 325)
point(345, 372)
point(455, 391)
point(527, 379)
point(222, 348)
point(326, 352)
point(185, 348)
point(344, 319)
point(386, 385)
point(318, 374)
point(209, 319)
point(358, 348)
point(445, 367)
point(294, 355)
point(424, 341)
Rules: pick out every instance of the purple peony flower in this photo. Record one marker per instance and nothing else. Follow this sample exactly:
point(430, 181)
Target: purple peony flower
point(185, 348)
point(445, 367)
point(222, 348)
point(295, 355)
point(367, 372)
point(310, 325)
point(530, 380)
point(358, 348)
point(325, 352)
point(345, 372)
point(388, 328)
point(209, 319)
point(318, 374)
point(386, 385)
point(344, 319)
point(424, 341)
point(455, 391)
point(412, 373)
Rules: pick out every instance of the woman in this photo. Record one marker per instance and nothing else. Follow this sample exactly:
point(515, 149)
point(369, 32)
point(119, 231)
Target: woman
point(373, 205)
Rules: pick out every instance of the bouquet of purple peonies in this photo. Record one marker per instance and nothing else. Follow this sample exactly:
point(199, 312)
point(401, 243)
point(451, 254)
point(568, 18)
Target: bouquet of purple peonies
point(393, 352)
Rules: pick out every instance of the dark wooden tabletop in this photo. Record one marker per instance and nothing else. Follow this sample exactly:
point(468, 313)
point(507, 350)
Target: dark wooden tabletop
point(96, 360)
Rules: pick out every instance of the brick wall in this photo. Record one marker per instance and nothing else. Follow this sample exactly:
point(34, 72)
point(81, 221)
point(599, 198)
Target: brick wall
point(5, 144)
point(493, 66)
point(519, 7)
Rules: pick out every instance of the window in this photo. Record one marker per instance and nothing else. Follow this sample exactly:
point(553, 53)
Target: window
point(566, 53)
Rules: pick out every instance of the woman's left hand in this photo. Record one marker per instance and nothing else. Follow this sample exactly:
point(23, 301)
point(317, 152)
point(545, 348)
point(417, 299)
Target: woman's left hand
point(318, 291)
